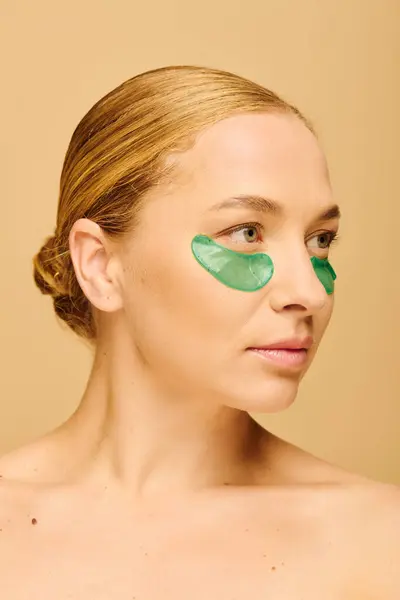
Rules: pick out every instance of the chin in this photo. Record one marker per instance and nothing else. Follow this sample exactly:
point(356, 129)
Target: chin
point(273, 394)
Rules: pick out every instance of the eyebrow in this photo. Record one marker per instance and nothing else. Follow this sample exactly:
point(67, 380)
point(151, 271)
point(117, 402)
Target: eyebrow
point(267, 205)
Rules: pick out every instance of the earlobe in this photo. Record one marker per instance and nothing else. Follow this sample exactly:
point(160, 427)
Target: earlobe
point(92, 259)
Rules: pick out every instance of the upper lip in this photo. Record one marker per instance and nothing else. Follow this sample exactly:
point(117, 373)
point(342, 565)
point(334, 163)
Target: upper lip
point(295, 343)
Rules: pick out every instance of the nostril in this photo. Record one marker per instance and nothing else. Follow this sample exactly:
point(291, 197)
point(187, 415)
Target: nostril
point(295, 307)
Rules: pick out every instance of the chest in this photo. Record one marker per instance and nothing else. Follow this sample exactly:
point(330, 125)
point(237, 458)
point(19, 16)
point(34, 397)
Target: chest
point(228, 561)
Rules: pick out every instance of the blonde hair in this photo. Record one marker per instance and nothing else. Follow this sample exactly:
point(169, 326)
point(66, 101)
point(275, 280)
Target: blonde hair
point(117, 153)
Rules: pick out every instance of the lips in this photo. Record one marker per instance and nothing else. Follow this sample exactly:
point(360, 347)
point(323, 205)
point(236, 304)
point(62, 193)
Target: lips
point(289, 354)
point(297, 343)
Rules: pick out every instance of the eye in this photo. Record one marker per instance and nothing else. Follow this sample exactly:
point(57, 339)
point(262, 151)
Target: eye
point(322, 241)
point(246, 234)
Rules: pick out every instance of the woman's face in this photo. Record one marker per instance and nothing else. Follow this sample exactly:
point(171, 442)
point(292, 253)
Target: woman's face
point(253, 183)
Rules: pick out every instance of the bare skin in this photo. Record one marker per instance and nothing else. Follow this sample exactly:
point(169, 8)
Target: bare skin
point(308, 530)
point(161, 486)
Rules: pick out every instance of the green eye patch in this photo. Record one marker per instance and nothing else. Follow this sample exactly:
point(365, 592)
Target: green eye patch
point(245, 272)
point(325, 273)
point(248, 272)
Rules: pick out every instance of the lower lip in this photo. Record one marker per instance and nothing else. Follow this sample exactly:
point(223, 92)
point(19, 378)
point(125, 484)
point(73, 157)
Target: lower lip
point(294, 359)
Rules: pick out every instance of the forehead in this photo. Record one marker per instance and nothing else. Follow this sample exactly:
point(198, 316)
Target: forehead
point(268, 154)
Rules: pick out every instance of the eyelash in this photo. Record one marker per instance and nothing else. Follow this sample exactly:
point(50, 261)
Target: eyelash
point(243, 226)
point(332, 234)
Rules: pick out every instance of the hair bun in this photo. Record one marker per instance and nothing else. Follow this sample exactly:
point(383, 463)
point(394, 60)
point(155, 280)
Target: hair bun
point(49, 269)
point(55, 276)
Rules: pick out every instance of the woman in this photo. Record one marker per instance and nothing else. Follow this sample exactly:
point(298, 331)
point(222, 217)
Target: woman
point(192, 251)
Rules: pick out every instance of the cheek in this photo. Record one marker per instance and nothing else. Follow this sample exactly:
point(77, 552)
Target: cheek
point(175, 308)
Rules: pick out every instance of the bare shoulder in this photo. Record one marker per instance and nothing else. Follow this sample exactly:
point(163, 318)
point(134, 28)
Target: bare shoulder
point(378, 509)
point(360, 516)
point(364, 522)
point(18, 471)
point(376, 526)
point(25, 473)
point(40, 460)
point(298, 466)
point(382, 515)
point(364, 525)
point(17, 515)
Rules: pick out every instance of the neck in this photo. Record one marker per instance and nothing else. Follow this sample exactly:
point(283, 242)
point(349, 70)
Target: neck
point(131, 427)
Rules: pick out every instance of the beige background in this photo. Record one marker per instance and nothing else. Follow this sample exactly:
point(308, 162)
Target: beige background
point(339, 61)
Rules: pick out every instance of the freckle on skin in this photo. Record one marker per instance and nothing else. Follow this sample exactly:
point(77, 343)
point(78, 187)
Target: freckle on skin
point(34, 521)
point(273, 568)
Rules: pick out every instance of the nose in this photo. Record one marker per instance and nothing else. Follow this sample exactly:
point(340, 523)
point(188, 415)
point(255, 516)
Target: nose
point(295, 285)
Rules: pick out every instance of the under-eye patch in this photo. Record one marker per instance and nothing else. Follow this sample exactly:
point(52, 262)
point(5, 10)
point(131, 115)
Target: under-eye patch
point(245, 272)
point(325, 273)
point(248, 272)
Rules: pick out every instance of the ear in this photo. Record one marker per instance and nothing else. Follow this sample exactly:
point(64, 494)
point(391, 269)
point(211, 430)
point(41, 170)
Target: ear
point(95, 265)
